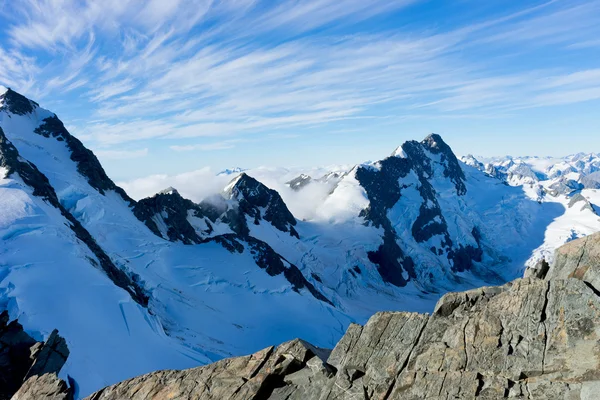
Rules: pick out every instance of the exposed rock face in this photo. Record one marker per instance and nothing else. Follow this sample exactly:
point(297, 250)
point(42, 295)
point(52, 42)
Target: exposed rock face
point(17, 103)
point(385, 183)
point(299, 182)
point(531, 338)
point(44, 387)
point(173, 211)
point(579, 201)
point(249, 377)
point(15, 355)
point(24, 359)
point(259, 202)
point(564, 186)
point(51, 357)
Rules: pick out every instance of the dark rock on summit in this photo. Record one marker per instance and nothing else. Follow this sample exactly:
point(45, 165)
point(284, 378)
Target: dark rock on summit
point(16, 103)
point(174, 210)
point(452, 169)
point(259, 202)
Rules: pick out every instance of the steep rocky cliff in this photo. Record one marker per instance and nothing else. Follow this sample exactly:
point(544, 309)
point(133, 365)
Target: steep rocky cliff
point(23, 359)
point(534, 337)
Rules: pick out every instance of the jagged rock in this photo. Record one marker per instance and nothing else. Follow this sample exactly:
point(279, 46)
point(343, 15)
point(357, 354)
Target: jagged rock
point(15, 355)
point(579, 200)
point(51, 357)
point(257, 201)
point(44, 387)
point(564, 186)
point(171, 209)
point(540, 270)
point(299, 182)
point(579, 259)
point(249, 377)
point(531, 338)
point(21, 357)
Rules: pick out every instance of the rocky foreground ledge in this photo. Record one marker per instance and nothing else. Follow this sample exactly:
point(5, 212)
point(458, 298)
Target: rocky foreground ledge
point(533, 338)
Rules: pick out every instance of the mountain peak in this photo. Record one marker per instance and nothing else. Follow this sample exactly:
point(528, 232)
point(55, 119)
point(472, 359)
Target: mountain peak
point(169, 190)
point(16, 103)
point(244, 184)
point(434, 140)
point(258, 201)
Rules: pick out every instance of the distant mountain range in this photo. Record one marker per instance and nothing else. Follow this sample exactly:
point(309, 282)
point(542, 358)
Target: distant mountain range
point(236, 272)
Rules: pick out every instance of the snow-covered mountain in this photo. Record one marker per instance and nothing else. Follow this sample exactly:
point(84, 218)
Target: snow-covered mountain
point(556, 175)
point(571, 183)
point(166, 282)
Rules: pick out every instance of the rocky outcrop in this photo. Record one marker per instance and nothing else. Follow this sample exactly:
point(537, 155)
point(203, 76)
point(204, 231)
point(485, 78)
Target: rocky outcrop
point(23, 359)
point(581, 202)
point(531, 338)
point(299, 182)
point(564, 186)
point(258, 202)
point(44, 387)
point(169, 209)
point(49, 357)
point(249, 377)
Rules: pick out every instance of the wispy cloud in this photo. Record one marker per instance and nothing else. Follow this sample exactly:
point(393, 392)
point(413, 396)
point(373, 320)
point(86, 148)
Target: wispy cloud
point(227, 69)
point(121, 154)
point(222, 145)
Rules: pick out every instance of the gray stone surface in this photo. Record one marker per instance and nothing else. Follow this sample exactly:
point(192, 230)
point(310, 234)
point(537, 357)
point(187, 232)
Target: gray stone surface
point(242, 378)
point(51, 356)
point(44, 387)
point(21, 357)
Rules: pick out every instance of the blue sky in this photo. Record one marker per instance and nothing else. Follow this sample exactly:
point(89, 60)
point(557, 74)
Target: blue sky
point(173, 86)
